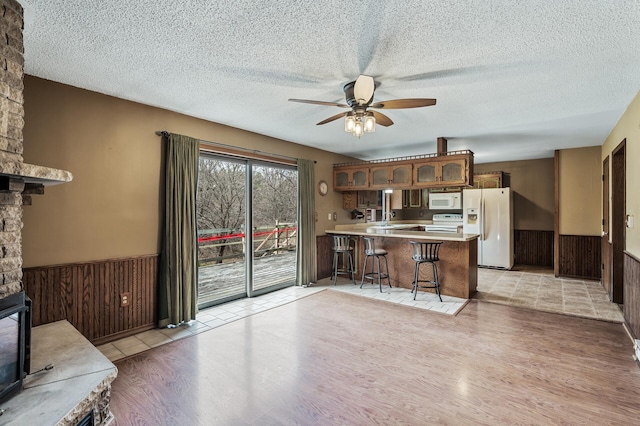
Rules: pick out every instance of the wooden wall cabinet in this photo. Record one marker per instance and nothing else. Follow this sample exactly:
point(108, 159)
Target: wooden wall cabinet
point(350, 178)
point(349, 200)
point(488, 180)
point(453, 169)
point(362, 199)
point(391, 175)
point(441, 172)
point(397, 200)
point(369, 199)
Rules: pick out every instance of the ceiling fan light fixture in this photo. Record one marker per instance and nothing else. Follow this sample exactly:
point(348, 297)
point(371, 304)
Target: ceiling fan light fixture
point(350, 123)
point(369, 123)
point(358, 128)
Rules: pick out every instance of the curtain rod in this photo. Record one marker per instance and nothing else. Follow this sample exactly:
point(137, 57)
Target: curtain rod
point(251, 151)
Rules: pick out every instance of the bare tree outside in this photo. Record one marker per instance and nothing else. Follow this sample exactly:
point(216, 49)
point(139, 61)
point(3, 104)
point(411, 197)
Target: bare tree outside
point(220, 206)
point(222, 233)
point(275, 196)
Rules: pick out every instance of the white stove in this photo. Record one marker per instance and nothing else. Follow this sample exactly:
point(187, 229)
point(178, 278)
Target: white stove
point(445, 222)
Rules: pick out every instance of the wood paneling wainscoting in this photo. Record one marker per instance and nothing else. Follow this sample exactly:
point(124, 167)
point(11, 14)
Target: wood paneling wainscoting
point(325, 256)
point(579, 256)
point(631, 307)
point(533, 247)
point(88, 295)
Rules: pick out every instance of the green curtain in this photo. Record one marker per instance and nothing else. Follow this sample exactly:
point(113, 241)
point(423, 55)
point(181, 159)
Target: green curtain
point(178, 283)
point(306, 254)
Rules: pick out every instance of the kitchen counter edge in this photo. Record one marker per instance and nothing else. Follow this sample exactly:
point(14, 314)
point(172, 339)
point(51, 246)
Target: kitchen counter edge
point(400, 233)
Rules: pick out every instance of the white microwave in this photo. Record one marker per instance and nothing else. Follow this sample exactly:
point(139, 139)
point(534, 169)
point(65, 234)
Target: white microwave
point(445, 201)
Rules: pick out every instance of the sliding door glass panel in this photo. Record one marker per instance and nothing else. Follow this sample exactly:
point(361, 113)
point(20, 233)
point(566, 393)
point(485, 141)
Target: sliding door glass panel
point(221, 207)
point(275, 230)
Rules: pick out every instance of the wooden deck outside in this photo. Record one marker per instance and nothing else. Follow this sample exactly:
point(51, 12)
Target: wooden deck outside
point(228, 279)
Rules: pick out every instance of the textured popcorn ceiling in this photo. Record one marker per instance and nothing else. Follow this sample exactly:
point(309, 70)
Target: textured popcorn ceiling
point(513, 79)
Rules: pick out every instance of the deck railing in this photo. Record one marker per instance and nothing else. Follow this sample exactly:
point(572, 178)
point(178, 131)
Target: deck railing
point(228, 244)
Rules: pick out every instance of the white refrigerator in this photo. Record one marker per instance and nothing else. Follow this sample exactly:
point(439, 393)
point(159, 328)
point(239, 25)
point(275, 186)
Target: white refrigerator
point(489, 213)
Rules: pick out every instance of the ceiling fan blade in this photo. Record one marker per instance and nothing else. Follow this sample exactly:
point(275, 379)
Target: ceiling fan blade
point(307, 101)
point(382, 119)
point(404, 103)
point(363, 90)
point(332, 118)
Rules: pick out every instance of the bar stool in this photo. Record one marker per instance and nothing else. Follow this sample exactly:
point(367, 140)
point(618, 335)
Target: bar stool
point(425, 253)
point(342, 247)
point(370, 250)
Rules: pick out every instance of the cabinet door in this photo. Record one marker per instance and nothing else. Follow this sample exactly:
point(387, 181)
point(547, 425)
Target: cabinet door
point(425, 174)
point(401, 175)
point(380, 177)
point(368, 199)
point(396, 199)
point(360, 179)
point(487, 180)
point(340, 179)
point(453, 172)
point(349, 200)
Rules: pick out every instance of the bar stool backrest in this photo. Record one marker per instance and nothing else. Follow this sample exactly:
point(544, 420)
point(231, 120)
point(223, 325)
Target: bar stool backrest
point(342, 243)
point(369, 246)
point(425, 251)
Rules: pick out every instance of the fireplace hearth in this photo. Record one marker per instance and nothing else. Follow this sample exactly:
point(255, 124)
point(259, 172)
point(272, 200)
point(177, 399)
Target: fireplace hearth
point(78, 386)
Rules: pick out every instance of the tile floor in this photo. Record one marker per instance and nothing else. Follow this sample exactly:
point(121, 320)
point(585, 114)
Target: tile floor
point(535, 289)
point(402, 296)
point(539, 289)
point(206, 319)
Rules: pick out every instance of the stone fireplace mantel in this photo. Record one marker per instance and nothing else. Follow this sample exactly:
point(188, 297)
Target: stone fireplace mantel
point(30, 173)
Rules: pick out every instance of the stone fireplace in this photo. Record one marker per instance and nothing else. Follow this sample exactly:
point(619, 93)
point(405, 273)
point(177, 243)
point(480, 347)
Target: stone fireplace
point(70, 379)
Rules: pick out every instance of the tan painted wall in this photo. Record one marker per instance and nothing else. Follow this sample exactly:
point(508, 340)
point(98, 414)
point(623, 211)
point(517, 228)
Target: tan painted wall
point(628, 127)
point(112, 207)
point(533, 184)
point(580, 190)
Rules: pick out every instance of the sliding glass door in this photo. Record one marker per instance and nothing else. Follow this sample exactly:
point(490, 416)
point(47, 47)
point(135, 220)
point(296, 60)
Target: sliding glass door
point(221, 205)
point(235, 196)
point(273, 215)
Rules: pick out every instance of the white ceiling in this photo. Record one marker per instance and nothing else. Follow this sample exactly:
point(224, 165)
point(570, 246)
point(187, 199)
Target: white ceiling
point(513, 79)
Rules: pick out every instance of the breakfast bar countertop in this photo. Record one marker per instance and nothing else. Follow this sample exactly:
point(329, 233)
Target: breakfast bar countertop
point(458, 265)
point(399, 230)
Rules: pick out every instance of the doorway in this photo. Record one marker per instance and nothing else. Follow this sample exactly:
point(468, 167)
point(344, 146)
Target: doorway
point(247, 228)
point(617, 228)
point(606, 246)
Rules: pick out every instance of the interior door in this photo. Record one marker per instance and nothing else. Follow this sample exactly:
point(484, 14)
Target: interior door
point(618, 230)
point(606, 247)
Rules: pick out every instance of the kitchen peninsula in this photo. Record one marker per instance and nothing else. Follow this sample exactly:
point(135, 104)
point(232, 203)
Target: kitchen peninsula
point(457, 268)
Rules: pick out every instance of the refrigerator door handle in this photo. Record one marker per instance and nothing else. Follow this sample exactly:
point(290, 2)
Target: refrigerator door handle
point(482, 219)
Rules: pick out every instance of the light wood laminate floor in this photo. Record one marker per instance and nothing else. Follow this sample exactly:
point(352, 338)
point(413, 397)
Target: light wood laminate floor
point(335, 358)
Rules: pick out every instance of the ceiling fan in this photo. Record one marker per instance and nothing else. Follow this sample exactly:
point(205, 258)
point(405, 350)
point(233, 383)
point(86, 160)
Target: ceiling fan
point(359, 97)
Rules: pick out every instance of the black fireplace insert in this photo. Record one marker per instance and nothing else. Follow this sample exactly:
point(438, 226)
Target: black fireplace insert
point(15, 343)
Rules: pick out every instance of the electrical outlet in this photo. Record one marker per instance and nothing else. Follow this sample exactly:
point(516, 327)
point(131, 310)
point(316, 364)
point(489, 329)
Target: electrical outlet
point(335, 216)
point(124, 299)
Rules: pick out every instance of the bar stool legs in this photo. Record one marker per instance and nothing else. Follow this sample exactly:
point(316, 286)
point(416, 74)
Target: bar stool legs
point(425, 253)
point(375, 272)
point(342, 247)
